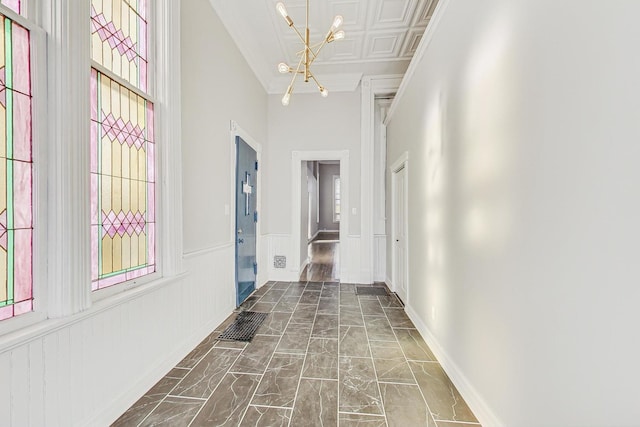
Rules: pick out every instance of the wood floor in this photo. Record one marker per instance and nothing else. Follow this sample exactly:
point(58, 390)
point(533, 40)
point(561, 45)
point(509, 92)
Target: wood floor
point(324, 253)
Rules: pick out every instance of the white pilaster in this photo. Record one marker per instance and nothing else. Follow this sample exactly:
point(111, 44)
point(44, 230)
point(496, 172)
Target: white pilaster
point(69, 277)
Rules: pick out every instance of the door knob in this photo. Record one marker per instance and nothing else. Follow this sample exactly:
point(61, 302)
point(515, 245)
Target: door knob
point(239, 230)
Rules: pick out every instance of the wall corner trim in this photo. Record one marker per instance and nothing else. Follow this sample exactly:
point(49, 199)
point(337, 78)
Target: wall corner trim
point(417, 57)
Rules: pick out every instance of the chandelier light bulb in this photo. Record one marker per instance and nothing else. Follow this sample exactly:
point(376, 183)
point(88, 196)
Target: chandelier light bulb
point(283, 10)
point(286, 98)
point(324, 92)
point(283, 68)
point(337, 21)
point(338, 35)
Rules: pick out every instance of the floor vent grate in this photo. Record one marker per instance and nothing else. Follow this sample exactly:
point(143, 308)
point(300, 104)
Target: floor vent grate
point(244, 327)
point(371, 290)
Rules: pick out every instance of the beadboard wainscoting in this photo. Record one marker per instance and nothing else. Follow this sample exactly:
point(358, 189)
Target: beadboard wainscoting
point(87, 369)
point(280, 244)
point(379, 257)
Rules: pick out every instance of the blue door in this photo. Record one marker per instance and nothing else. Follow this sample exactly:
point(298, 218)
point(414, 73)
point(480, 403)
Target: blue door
point(246, 219)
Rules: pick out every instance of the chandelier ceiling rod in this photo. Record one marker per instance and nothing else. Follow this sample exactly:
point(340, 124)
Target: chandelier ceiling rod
point(307, 55)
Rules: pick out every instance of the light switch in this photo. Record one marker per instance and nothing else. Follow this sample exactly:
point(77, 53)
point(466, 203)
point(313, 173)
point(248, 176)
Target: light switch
point(354, 211)
point(226, 210)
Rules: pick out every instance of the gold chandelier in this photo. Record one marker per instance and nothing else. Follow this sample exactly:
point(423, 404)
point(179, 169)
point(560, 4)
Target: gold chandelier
point(309, 53)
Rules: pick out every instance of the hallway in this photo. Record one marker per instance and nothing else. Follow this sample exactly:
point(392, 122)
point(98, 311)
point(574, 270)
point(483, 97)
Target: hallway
point(325, 356)
point(324, 255)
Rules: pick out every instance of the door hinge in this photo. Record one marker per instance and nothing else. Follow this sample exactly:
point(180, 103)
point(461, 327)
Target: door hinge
point(255, 216)
point(256, 165)
point(255, 268)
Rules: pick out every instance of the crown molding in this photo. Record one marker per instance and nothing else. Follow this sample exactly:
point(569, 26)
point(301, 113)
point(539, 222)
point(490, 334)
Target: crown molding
point(420, 52)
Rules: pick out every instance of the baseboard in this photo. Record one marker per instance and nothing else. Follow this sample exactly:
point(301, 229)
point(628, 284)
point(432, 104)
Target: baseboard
point(303, 266)
point(475, 401)
point(310, 239)
point(139, 388)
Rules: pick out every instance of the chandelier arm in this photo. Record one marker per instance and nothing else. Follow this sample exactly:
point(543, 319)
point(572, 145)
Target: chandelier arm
point(293, 79)
point(315, 80)
point(300, 36)
point(313, 46)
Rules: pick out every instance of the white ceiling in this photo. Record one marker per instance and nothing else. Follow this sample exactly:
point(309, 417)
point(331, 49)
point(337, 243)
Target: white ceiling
point(381, 38)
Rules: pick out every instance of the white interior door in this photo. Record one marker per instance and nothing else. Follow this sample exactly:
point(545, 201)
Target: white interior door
point(400, 232)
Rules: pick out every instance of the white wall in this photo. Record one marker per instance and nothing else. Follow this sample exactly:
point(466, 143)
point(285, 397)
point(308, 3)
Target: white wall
point(217, 86)
point(327, 172)
point(521, 123)
point(87, 369)
point(309, 123)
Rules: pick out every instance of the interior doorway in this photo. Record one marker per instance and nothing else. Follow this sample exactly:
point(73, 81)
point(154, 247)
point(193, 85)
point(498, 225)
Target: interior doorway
point(246, 219)
point(302, 240)
point(320, 220)
point(399, 235)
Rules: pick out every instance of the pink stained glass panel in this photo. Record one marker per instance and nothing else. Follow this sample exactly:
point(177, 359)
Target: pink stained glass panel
point(21, 60)
point(22, 186)
point(94, 147)
point(151, 236)
point(23, 307)
point(13, 5)
point(21, 127)
point(142, 70)
point(94, 194)
point(151, 203)
point(94, 95)
point(151, 162)
point(6, 312)
point(151, 136)
point(143, 40)
point(142, 9)
point(95, 238)
point(110, 281)
point(22, 265)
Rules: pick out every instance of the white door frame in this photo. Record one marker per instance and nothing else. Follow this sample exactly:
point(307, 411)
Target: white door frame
point(401, 163)
point(370, 87)
point(297, 157)
point(236, 130)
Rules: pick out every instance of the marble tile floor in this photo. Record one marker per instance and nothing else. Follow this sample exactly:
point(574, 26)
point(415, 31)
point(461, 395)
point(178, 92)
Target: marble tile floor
point(323, 357)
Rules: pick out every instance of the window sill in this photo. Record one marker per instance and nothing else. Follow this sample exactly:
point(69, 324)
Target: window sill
point(44, 327)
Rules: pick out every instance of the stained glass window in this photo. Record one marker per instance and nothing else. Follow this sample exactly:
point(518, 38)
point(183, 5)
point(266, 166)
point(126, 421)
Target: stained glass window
point(16, 222)
point(122, 183)
point(12, 4)
point(119, 38)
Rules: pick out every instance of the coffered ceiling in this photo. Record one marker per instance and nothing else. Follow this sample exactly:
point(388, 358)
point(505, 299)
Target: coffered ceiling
point(381, 38)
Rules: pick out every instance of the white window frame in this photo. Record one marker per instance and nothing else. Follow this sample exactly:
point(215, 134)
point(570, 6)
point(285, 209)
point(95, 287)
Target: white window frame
point(38, 72)
point(61, 69)
point(150, 96)
point(335, 200)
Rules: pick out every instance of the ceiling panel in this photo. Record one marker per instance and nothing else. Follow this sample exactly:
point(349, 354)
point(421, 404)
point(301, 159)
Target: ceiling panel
point(381, 35)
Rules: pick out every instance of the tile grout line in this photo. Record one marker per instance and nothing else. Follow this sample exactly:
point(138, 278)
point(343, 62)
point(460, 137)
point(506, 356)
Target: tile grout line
point(215, 388)
point(304, 361)
point(174, 387)
point(338, 356)
point(384, 412)
point(411, 370)
point(244, 413)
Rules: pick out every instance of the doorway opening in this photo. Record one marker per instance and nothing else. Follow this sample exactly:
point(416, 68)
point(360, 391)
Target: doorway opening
point(319, 232)
point(321, 195)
